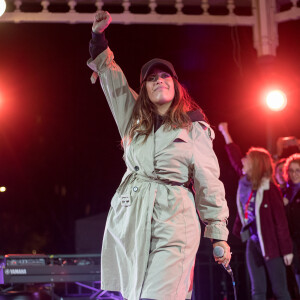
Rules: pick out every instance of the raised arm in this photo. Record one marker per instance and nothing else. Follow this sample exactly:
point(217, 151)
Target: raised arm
point(223, 127)
point(120, 97)
point(233, 150)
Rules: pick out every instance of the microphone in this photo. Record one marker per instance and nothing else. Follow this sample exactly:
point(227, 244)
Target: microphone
point(219, 252)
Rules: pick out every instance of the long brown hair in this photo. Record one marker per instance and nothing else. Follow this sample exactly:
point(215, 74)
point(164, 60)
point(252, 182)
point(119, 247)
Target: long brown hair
point(142, 118)
point(262, 166)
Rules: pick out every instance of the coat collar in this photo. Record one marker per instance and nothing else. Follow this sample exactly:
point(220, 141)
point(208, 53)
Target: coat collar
point(265, 185)
point(164, 138)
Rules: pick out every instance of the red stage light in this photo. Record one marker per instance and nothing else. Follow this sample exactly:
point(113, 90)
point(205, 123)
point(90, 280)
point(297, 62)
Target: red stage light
point(276, 100)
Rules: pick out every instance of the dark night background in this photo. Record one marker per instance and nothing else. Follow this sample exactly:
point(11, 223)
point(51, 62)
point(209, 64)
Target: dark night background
point(60, 154)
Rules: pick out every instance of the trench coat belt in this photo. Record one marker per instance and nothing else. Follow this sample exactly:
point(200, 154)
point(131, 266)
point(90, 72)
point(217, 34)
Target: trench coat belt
point(133, 175)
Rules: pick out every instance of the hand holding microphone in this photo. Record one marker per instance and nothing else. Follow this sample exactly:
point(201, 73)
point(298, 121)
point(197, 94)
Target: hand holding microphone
point(222, 255)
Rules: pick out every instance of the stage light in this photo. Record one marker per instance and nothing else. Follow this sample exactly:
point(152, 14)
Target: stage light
point(276, 100)
point(2, 7)
point(2, 189)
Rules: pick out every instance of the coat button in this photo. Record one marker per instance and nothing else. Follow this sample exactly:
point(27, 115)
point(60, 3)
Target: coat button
point(135, 188)
point(136, 168)
point(266, 205)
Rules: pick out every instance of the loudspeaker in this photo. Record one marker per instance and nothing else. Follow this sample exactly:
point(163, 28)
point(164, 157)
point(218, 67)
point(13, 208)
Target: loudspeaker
point(89, 233)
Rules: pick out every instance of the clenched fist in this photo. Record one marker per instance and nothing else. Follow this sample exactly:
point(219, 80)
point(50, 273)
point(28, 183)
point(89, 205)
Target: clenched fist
point(223, 127)
point(101, 21)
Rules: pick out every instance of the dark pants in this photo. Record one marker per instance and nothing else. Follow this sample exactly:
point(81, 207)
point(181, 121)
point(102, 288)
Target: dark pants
point(296, 263)
point(259, 268)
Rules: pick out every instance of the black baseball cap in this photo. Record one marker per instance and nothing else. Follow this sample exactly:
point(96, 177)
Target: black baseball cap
point(156, 62)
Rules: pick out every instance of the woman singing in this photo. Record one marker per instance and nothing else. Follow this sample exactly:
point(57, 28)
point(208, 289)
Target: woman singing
point(152, 231)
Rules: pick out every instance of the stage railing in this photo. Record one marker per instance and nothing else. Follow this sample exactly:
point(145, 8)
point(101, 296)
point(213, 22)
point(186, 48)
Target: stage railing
point(177, 12)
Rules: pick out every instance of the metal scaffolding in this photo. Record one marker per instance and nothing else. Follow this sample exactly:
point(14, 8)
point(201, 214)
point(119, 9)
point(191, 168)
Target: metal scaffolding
point(264, 15)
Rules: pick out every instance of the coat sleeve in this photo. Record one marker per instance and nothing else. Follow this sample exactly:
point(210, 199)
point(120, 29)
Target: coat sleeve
point(280, 221)
point(120, 97)
point(209, 190)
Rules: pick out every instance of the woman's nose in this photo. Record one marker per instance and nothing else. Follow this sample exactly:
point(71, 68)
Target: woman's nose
point(158, 79)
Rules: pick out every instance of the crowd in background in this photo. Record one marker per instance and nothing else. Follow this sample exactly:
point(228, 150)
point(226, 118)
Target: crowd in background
point(268, 202)
point(287, 176)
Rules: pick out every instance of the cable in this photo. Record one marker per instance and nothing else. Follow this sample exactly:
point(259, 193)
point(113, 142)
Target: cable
point(233, 285)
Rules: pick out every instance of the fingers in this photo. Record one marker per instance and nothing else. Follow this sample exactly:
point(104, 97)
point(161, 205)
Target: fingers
point(102, 20)
point(288, 258)
point(225, 259)
point(102, 15)
point(286, 261)
point(285, 201)
point(223, 126)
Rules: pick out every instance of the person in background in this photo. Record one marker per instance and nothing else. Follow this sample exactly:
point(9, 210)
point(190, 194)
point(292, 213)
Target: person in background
point(152, 231)
point(279, 177)
point(261, 219)
point(292, 196)
point(286, 146)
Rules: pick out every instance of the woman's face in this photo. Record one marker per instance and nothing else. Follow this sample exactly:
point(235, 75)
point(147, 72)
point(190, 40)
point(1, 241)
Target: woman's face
point(294, 172)
point(247, 165)
point(160, 89)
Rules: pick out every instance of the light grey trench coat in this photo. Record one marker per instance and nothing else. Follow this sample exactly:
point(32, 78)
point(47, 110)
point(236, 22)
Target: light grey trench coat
point(152, 231)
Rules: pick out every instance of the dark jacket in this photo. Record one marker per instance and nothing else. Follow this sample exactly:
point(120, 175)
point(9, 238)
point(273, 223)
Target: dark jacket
point(293, 214)
point(271, 222)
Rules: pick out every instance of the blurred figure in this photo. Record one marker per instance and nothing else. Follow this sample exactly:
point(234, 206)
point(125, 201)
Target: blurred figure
point(261, 220)
point(292, 176)
point(286, 146)
point(279, 177)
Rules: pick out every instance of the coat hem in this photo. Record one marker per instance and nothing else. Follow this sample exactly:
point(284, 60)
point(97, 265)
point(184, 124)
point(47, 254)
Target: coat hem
point(164, 297)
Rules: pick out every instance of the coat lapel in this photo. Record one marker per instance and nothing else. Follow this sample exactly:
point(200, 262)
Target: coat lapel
point(265, 185)
point(165, 138)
